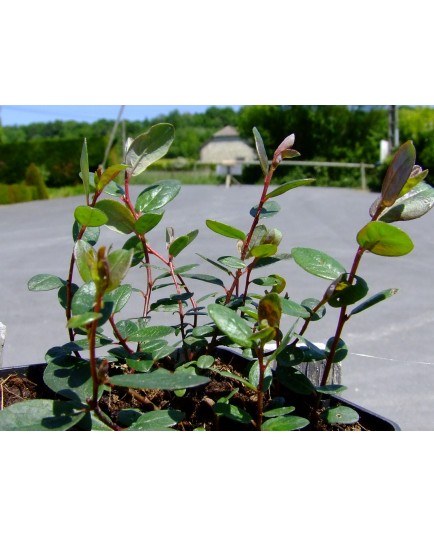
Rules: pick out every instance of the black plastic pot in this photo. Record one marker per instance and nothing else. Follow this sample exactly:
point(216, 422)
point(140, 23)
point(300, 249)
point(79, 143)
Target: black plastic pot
point(34, 373)
point(368, 419)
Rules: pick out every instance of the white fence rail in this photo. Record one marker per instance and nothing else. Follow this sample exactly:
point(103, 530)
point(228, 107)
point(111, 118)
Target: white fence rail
point(361, 165)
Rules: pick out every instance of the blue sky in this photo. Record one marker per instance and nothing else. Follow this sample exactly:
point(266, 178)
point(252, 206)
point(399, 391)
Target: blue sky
point(24, 115)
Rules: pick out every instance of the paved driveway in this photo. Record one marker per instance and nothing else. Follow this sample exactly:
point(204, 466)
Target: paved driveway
point(391, 365)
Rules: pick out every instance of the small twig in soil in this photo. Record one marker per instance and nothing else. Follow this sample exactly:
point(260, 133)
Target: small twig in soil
point(143, 399)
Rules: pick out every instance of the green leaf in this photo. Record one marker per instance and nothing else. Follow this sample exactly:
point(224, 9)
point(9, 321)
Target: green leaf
point(225, 230)
point(384, 239)
point(284, 424)
point(252, 313)
point(340, 415)
point(258, 237)
point(310, 304)
point(42, 282)
point(317, 263)
point(136, 330)
point(416, 176)
point(83, 300)
point(260, 149)
point(119, 262)
point(181, 243)
point(290, 355)
point(254, 376)
point(157, 420)
point(69, 377)
point(151, 351)
point(141, 363)
point(311, 351)
point(263, 250)
point(231, 324)
point(345, 294)
point(205, 361)
point(341, 350)
point(148, 221)
point(227, 374)
point(373, 300)
point(109, 174)
point(119, 217)
point(40, 415)
point(83, 344)
point(206, 278)
point(295, 380)
point(269, 209)
point(203, 331)
point(161, 379)
point(232, 412)
point(126, 417)
point(398, 173)
point(84, 168)
point(166, 305)
point(62, 295)
point(292, 308)
point(268, 281)
point(264, 335)
point(332, 389)
point(114, 189)
point(232, 262)
point(90, 235)
point(90, 217)
point(85, 257)
point(279, 412)
point(135, 244)
point(157, 195)
point(288, 186)
point(82, 320)
point(415, 204)
point(149, 147)
point(119, 297)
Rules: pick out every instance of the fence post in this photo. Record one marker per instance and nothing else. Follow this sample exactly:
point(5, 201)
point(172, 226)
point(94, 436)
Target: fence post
point(363, 176)
point(2, 341)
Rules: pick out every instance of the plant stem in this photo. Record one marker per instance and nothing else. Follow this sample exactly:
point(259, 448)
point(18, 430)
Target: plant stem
point(342, 319)
point(239, 273)
point(121, 340)
point(267, 182)
point(260, 402)
point(105, 420)
point(92, 353)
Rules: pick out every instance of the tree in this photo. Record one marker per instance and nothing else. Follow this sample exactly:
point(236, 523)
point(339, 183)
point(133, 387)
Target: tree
point(35, 178)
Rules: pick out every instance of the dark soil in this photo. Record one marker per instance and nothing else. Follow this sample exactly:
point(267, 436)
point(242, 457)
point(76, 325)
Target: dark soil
point(196, 404)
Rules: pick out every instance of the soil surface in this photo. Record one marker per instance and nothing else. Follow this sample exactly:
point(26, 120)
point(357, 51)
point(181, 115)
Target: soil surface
point(196, 404)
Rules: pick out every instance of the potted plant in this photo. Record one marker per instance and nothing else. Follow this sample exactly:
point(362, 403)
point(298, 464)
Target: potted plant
point(225, 361)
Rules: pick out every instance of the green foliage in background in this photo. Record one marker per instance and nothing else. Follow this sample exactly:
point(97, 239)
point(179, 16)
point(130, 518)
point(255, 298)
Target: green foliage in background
point(334, 133)
point(34, 177)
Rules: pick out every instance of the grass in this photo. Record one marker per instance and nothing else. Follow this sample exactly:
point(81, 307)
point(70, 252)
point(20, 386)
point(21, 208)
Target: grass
point(185, 177)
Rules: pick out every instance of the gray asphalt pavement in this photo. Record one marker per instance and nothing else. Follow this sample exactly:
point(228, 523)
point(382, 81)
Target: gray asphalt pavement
point(390, 368)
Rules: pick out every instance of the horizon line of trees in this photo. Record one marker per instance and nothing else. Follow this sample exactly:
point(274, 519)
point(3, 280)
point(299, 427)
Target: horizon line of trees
point(322, 132)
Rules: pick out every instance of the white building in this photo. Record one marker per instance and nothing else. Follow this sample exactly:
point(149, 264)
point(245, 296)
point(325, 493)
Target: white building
point(228, 151)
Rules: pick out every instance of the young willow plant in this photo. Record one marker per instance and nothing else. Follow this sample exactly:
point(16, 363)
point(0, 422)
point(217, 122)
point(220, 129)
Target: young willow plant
point(255, 383)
